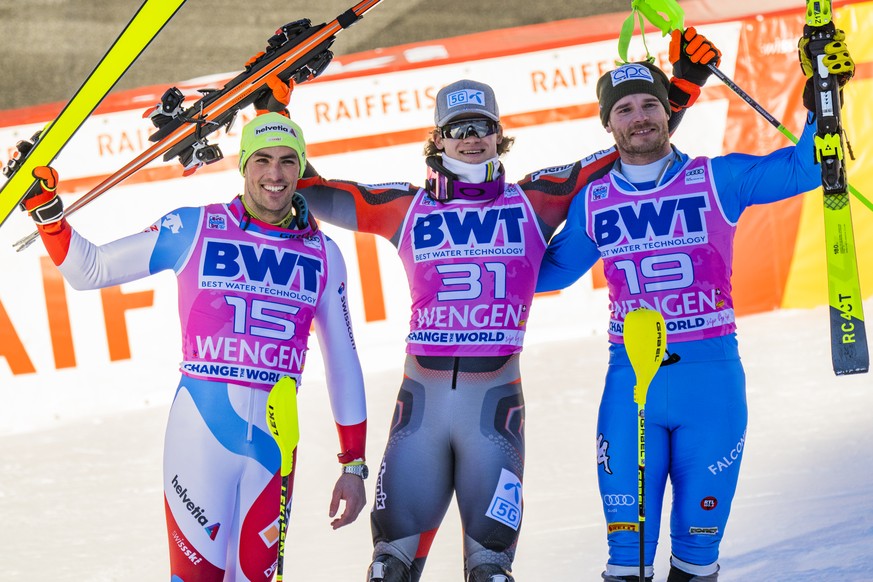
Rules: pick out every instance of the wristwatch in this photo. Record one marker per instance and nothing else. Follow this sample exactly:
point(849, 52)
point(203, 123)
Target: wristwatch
point(360, 470)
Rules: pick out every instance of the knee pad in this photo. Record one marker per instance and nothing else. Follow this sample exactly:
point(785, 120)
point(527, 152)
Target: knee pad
point(489, 573)
point(387, 568)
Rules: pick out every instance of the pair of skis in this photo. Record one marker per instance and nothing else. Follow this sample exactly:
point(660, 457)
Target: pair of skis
point(299, 51)
point(848, 331)
point(849, 350)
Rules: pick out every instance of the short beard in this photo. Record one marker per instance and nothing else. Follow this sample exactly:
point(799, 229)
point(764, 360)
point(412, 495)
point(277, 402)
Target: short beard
point(625, 145)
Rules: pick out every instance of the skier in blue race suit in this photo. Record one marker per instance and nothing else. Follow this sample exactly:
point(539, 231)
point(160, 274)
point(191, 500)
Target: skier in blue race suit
point(663, 224)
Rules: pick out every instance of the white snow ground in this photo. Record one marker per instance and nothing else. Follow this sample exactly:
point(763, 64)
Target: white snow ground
point(82, 502)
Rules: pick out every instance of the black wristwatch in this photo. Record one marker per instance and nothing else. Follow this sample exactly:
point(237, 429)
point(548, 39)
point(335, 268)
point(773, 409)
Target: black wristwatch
point(360, 470)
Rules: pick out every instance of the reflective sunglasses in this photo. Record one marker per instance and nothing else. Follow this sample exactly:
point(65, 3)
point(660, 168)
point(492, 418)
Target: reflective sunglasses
point(466, 127)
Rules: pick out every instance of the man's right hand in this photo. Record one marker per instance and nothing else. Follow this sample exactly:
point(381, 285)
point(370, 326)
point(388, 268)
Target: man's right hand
point(42, 201)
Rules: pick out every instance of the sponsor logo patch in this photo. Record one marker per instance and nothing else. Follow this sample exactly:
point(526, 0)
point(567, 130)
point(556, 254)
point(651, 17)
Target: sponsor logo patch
point(602, 456)
point(695, 176)
point(172, 222)
point(381, 496)
point(505, 505)
point(599, 192)
point(216, 222)
point(465, 96)
point(631, 72)
point(619, 500)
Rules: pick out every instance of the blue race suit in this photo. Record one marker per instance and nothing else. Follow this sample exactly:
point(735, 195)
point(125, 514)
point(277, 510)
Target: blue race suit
point(696, 409)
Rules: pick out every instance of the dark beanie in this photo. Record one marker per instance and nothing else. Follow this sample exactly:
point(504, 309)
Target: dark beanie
point(629, 79)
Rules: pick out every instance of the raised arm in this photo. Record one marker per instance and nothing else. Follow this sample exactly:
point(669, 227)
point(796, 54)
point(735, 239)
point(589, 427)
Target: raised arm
point(375, 208)
point(88, 266)
point(744, 180)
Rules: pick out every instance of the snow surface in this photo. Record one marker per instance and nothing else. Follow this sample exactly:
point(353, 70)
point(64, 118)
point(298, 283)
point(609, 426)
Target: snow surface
point(82, 502)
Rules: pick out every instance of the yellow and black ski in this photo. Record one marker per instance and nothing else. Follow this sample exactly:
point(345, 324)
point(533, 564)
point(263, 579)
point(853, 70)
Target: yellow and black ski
point(139, 32)
point(849, 350)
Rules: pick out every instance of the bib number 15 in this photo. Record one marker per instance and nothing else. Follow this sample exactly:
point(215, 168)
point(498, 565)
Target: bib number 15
point(247, 317)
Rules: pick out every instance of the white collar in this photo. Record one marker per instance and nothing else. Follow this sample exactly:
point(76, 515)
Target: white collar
point(472, 173)
point(647, 173)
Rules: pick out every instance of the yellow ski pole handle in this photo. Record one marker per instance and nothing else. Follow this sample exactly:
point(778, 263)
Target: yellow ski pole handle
point(645, 339)
point(282, 420)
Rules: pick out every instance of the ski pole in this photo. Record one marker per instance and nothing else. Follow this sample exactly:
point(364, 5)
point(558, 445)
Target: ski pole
point(645, 339)
point(283, 425)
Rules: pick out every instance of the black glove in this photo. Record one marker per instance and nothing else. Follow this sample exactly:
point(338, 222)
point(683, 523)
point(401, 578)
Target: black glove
point(690, 53)
point(837, 60)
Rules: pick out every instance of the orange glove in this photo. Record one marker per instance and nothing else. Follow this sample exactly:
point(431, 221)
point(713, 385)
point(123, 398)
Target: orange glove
point(42, 201)
point(690, 54)
point(278, 97)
